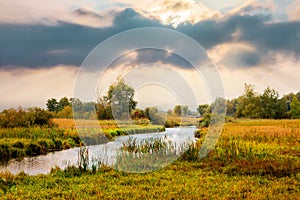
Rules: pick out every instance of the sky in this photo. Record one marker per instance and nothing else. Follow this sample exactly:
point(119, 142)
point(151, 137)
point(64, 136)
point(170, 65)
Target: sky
point(43, 46)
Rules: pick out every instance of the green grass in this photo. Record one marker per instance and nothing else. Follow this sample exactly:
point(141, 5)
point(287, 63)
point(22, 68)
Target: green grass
point(252, 160)
point(179, 181)
point(20, 142)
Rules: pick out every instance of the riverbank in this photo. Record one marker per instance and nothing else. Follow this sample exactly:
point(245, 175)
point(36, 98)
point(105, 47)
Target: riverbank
point(17, 143)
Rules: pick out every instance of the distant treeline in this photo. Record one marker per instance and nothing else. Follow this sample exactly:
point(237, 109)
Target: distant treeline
point(267, 105)
point(119, 104)
point(20, 117)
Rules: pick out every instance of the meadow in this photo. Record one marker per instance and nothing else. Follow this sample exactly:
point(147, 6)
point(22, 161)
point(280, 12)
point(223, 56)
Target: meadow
point(253, 159)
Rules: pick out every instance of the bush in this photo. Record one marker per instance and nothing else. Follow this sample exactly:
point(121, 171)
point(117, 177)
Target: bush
point(12, 118)
point(200, 133)
point(33, 150)
point(171, 124)
point(18, 144)
point(205, 121)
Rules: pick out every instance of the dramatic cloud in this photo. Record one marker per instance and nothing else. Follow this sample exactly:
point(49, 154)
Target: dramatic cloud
point(235, 55)
point(254, 7)
point(146, 56)
point(43, 44)
point(46, 45)
point(171, 12)
point(53, 11)
point(280, 76)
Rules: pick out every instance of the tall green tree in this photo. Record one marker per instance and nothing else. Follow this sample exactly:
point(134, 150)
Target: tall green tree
point(103, 109)
point(271, 106)
point(154, 116)
point(181, 110)
point(52, 105)
point(231, 107)
point(203, 108)
point(249, 103)
point(295, 108)
point(119, 101)
point(218, 106)
point(63, 102)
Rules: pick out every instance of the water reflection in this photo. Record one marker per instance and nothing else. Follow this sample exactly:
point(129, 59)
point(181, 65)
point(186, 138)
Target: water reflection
point(105, 153)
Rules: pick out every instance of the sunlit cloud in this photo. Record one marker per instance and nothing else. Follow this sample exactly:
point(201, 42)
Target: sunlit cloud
point(89, 13)
point(234, 54)
point(293, 11)
point(277, 70)
point(173, 13)
point(254, 7)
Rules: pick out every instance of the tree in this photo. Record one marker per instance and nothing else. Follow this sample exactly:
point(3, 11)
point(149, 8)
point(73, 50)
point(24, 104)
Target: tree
point(66, 112)
point(177, 110)
point(271, 106)
point(295, 108)
point(154, 116)
point(181, 110)
point(38, 116)
point(55, 106)
point(63, 102)
point(12, 118)
point(138, 114)
point(218, 106)
point(119, 101)
point(52, 105)
point(231, 107)
point(249, 103)
point(103, 109)
point(203, 109)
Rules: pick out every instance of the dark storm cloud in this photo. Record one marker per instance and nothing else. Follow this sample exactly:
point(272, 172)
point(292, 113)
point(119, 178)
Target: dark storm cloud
point(35, 46)
point(150, 56)
point(84, 12)
point(242, 58)
point(255, 30)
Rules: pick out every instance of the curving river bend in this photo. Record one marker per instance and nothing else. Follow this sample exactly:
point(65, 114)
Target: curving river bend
point(105, 152)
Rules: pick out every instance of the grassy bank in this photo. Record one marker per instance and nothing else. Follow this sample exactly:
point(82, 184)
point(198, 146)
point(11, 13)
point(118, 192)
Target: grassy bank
point(253, 159)
point(20, 142)
point(16, 143)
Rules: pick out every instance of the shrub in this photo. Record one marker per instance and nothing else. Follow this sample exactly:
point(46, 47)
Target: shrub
point(12, 118)
point(18, 144)
point(33, 150)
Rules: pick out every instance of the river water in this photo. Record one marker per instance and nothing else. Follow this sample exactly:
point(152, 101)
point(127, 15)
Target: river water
point(106, 153)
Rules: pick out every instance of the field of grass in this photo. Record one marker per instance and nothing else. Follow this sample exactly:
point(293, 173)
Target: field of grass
point(172, 121)
point(253, 159)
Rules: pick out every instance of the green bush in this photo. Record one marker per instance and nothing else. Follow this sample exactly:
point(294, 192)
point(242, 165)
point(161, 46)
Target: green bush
point(18, 144)
point(171, 123)
point(33, 150)
point(12, 118)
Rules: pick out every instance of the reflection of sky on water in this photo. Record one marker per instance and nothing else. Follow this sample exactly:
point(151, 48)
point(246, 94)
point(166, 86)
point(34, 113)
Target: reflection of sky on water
point(105, 153)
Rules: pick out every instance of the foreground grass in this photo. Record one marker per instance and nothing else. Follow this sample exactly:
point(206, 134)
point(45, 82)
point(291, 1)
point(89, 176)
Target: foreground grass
point(181, 180)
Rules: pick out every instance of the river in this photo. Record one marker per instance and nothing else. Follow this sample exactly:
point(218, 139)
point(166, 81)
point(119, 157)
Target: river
point(105, 152)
